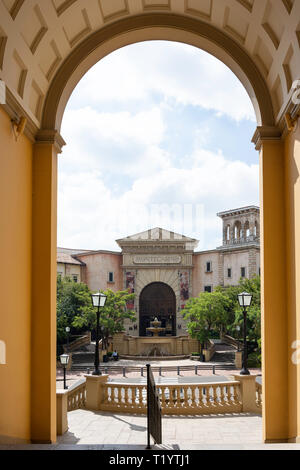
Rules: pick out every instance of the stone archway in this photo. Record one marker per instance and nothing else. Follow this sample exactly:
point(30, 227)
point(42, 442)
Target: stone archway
point(158, 300)
point(259, 41)
point(267, 139)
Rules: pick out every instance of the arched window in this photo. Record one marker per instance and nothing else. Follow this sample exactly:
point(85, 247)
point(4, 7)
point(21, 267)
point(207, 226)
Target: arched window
point(247, 229)
point(228, 233)
point(238, 231)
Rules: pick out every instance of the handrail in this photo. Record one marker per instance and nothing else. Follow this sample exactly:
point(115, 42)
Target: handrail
point(160, 369)
point(77, 395)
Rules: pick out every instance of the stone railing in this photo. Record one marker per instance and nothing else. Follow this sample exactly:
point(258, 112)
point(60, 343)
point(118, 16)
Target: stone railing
point(231, 341)
point(82, 340)
point(209, 351)
point(188, 399)
point(240, 395)
point(69, 400)
point(77, 395)
point(258, 395)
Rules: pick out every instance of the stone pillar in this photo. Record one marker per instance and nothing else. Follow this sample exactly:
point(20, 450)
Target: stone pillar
point(94, 391)
point(274, 293)
point(252, 267)
point(62, 411)
point(292, 188)
point(248, 392)
point(221, 269)
point(43, 317)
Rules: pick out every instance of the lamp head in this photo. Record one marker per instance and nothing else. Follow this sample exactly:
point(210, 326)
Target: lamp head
point(98, 299)
point(64, 359)
point(245, 299)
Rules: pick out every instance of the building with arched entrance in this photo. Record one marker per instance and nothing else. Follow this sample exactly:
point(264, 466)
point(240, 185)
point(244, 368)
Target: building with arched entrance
point(45, 48)
point(164, 269)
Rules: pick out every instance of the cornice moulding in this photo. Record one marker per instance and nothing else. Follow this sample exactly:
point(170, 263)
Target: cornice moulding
point(266, 133)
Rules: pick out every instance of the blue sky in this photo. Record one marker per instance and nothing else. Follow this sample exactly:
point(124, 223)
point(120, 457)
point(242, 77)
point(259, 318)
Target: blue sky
point(158, 134)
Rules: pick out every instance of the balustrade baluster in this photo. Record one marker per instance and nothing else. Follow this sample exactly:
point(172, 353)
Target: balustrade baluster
point(178, 397)
point(186, 397)
point(163, 397)
point(212, 395)
point(126, 395)
point(223, 395)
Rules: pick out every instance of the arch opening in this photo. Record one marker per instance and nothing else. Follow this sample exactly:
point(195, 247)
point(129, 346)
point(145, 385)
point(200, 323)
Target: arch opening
point(157, 300)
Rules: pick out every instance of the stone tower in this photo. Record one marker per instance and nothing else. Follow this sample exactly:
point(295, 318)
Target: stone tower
point(241, 231)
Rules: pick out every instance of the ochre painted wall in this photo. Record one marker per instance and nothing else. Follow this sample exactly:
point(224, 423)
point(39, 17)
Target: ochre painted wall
point(15, 280)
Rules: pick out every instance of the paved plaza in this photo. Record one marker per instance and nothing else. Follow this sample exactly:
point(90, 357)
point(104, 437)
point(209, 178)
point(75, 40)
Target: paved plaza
point(87, 427)
point(90, 430)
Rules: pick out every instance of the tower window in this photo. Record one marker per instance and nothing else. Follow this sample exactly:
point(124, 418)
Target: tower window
point(229, 272)
point(111, 277)
point(243, 272)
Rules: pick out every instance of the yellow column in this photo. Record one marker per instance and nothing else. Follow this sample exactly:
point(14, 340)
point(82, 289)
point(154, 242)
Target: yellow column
point(292, 183)
point(43, 321)
point(274, 294)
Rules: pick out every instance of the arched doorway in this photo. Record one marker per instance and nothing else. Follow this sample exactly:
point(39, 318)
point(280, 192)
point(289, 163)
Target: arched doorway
point(158, 300)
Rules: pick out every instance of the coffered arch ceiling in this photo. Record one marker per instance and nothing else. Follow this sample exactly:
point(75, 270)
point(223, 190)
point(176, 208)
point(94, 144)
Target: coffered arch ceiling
point(45, 47)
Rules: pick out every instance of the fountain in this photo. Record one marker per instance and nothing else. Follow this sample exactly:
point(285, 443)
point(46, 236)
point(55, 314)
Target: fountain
point(155, 327)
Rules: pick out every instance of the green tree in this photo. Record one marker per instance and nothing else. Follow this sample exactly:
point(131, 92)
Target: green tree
point(207, 312)
point(73, 300)
point(112, 315)
point(253, 286)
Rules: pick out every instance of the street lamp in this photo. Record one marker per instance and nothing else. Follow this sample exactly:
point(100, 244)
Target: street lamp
point(64, 360)
point(98, 301)
point(245, 300)
point(68, 329)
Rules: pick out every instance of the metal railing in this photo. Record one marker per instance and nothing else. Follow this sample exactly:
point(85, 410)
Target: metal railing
point(124, 370)
point(154, 428)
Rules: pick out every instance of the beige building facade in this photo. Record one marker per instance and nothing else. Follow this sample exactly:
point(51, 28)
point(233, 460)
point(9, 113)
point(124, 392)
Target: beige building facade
point(164, 269)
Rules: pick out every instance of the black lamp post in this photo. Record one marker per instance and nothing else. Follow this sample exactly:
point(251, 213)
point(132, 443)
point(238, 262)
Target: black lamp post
point(245, 300)
point(68, 329)
point(98, 301)
point(64, 360)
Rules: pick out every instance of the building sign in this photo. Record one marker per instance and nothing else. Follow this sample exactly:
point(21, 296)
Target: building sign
point(159, 259)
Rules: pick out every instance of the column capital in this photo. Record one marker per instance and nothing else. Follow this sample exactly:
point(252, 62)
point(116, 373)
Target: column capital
point(50, 137)
point(266, 133)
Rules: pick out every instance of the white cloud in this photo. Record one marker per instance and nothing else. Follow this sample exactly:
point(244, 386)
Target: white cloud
point(117, 132)
point(90, 216)
point(144, 127)
point(181, 73)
